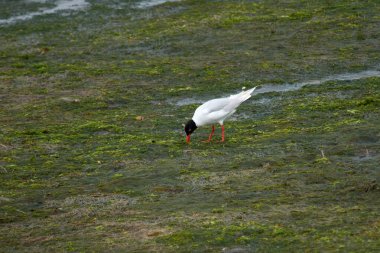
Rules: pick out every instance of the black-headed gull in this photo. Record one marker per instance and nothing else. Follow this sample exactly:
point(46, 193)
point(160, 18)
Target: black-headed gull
point(216, 111)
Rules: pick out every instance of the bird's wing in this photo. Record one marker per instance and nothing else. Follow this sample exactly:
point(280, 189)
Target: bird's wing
point(220, 116)
point(211, 111)
point(227, 103)
point(214, 105)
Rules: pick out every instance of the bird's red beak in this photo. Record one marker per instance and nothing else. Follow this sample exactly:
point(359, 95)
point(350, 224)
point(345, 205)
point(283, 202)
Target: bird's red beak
point(188, 138)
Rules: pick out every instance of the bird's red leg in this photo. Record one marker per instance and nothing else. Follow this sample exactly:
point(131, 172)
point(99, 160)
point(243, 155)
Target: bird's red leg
point(222, 140)
point(211, 134)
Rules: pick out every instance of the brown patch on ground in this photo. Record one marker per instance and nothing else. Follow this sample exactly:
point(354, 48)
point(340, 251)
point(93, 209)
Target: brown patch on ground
point(37, 239)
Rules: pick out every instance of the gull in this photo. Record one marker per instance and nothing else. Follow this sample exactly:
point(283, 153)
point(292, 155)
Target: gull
point(216, 111)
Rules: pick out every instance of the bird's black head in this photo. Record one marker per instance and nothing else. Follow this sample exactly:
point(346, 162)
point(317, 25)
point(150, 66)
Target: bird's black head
point(189, 129)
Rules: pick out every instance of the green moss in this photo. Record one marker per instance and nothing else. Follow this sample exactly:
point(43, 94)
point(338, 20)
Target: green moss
point(300, 15)
point(92, 148)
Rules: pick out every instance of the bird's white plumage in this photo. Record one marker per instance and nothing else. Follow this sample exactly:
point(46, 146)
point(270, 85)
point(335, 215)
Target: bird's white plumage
point(218, 110)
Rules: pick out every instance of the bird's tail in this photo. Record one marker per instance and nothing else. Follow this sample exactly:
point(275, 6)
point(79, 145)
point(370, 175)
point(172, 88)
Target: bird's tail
point(244, 95)
point(237, 99)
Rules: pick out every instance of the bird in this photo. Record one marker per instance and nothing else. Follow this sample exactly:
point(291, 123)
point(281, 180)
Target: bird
point(216, 111)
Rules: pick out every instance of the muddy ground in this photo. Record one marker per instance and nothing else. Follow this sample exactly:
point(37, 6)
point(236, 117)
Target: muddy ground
point(92, 150)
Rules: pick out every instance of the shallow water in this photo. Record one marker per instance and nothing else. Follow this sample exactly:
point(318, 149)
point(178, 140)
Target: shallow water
point(63, 5)
point(151, 3)
point(60, 6)
point(294, 86)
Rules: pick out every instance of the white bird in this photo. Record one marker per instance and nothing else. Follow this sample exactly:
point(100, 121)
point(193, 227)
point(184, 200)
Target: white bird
point(216, 111)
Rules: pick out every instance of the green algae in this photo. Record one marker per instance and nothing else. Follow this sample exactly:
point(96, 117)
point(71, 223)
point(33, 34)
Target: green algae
point(299, 173)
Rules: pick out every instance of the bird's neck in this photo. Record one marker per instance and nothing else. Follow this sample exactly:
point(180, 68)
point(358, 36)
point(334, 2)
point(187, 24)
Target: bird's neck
point(197, 122)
